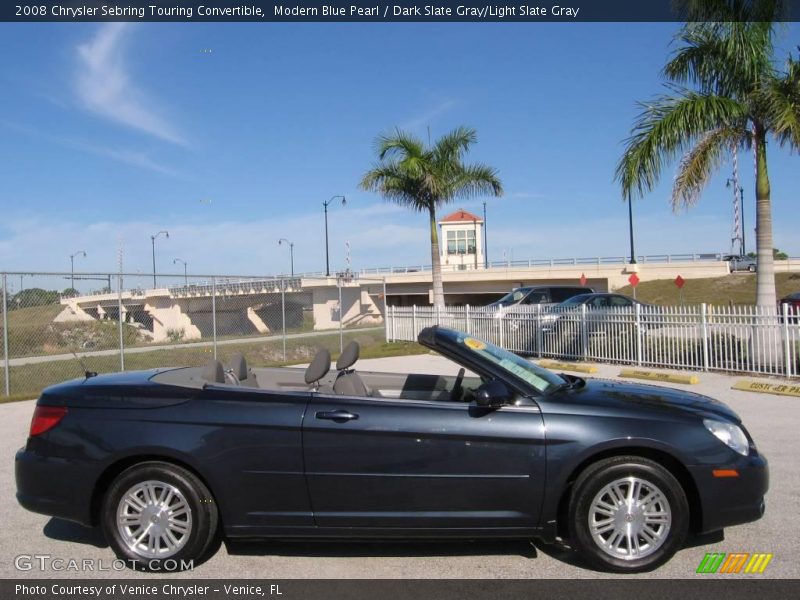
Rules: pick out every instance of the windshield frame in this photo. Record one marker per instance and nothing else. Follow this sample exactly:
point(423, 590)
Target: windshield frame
point(486, 358)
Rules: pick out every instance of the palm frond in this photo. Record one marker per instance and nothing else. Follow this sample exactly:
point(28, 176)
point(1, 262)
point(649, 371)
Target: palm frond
point(391, 180)
point(477, 180)
point(664, 128)
point(399, 143)
point(699, 163)
point(451, 147)
point(727, 44)
point(423, 178)
point(781, 101)
point(697, 60)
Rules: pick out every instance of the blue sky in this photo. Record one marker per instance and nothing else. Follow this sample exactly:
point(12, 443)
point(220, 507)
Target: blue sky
point(231, 136)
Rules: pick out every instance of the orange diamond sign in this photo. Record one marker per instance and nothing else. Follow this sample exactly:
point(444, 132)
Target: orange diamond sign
point(583, 279)
point(679, 281)
point(633, 280)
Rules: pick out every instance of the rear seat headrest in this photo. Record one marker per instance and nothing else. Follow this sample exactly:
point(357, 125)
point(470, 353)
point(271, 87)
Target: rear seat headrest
point(213, 372)
point(319, 367)
point(348, 357)
point(238, 365)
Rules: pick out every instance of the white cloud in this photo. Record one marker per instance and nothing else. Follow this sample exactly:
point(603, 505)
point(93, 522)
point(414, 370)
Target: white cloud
point(104, 85)
point(133, 158)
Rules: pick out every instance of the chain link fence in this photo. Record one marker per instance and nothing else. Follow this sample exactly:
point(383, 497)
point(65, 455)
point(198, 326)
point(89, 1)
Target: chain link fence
point(55, 326)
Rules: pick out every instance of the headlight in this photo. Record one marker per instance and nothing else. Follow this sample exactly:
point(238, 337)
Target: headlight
point(729, 434)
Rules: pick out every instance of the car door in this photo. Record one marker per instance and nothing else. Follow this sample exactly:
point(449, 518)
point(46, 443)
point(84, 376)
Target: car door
point(251, 446)
point(417, 464)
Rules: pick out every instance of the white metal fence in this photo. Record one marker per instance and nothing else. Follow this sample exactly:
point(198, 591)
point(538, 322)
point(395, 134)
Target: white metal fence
point(722, 338)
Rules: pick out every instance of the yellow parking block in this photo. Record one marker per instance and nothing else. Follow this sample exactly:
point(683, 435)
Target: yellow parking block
point(578, 368)
point(655, 376)
point(782, 389)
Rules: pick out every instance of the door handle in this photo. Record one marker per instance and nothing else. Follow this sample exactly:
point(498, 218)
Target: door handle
point(337, 415)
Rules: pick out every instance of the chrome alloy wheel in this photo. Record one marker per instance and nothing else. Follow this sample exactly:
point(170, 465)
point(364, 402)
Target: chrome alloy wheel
point(154, 519)
point(630, 518)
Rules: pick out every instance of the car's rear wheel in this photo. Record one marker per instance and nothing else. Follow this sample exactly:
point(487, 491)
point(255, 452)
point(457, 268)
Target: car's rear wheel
point(158, 516)
point(628, 514)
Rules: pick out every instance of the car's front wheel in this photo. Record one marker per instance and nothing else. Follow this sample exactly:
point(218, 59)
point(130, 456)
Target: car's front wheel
point(158, 516)
point(627, 514)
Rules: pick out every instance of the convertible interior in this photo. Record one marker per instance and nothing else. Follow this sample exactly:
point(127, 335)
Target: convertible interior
point(322, 377)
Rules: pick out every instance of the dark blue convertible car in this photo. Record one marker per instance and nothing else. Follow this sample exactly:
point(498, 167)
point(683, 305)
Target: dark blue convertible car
point(166, 460)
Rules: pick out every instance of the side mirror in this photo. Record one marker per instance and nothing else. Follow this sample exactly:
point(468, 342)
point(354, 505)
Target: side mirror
point(492, 394)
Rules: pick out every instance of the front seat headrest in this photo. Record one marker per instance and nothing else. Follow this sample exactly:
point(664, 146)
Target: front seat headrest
point(239, 366)
point(213, 372)
point(348, 357)
point(319, 367)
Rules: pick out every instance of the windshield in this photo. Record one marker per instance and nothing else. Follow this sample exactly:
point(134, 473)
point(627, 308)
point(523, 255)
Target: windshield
point(513, 297)
point(541, 379)
point(575, 300)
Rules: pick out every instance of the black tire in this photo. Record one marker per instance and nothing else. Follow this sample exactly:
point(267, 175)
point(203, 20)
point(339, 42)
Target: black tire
point(751, 268)
point(202, 516)
point(589, 485)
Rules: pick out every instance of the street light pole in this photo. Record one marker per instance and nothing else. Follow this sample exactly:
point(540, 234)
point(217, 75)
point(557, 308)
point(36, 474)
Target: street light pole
point(741, 216)
point(291, 250)
point(185, 276)
point(630, 228)
point(71, 268)
point(743, 233)
point(327, 257)
point(153, 240)
point(485, 243)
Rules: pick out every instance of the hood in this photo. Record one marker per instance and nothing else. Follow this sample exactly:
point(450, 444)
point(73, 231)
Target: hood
point(634, 396)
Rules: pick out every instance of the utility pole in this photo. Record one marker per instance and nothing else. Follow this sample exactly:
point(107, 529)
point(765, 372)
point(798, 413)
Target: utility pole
point(153, 240)
point(485, 243)
point(71, 268)
point(327, 257)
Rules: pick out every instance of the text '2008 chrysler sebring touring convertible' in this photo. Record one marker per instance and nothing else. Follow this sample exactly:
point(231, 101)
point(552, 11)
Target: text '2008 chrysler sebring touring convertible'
point(164, 460)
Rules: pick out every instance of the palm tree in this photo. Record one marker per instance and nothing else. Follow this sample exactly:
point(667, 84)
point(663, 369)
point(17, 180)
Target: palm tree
point(739, 99)
point(424, 178)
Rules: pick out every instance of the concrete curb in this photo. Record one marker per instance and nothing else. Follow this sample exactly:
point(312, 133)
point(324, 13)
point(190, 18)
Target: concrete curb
point(760, 387)
point(578, 368)
point(656, 376)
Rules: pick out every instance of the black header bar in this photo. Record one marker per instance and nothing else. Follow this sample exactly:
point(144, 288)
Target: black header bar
point(339, 11)
point(353, 589)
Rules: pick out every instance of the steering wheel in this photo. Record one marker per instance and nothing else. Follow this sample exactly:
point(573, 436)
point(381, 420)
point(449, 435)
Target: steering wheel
point(458, 391)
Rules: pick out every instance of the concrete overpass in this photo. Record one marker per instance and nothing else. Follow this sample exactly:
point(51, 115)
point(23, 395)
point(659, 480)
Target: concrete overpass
point(234, 307)
point(481, 285)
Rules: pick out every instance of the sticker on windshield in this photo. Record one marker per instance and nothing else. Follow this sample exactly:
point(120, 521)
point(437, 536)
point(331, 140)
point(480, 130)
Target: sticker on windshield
point(474, 344)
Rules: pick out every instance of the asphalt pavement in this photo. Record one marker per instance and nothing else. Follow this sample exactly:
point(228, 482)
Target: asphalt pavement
point(774, 422)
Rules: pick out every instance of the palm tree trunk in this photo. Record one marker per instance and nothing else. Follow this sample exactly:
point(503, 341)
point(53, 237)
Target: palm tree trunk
point(765, 276)
point(436, 263)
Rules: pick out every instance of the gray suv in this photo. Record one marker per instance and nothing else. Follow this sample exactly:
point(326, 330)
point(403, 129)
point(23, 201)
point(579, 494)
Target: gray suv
point(540, 294)
point(740, 263)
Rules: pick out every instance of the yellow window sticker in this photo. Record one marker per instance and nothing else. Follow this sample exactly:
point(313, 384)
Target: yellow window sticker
point(474, 344)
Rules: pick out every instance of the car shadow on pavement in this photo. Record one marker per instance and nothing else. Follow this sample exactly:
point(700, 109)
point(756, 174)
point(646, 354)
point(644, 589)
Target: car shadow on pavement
point(564, 553)
point(67, 531)
point(389, 548)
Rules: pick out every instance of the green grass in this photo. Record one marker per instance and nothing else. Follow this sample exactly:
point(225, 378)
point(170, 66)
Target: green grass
point(27, 381)
point(736, 288)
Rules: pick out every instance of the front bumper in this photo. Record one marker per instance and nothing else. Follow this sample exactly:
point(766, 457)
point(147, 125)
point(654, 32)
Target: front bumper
point(53, 486)
point(731, 501)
